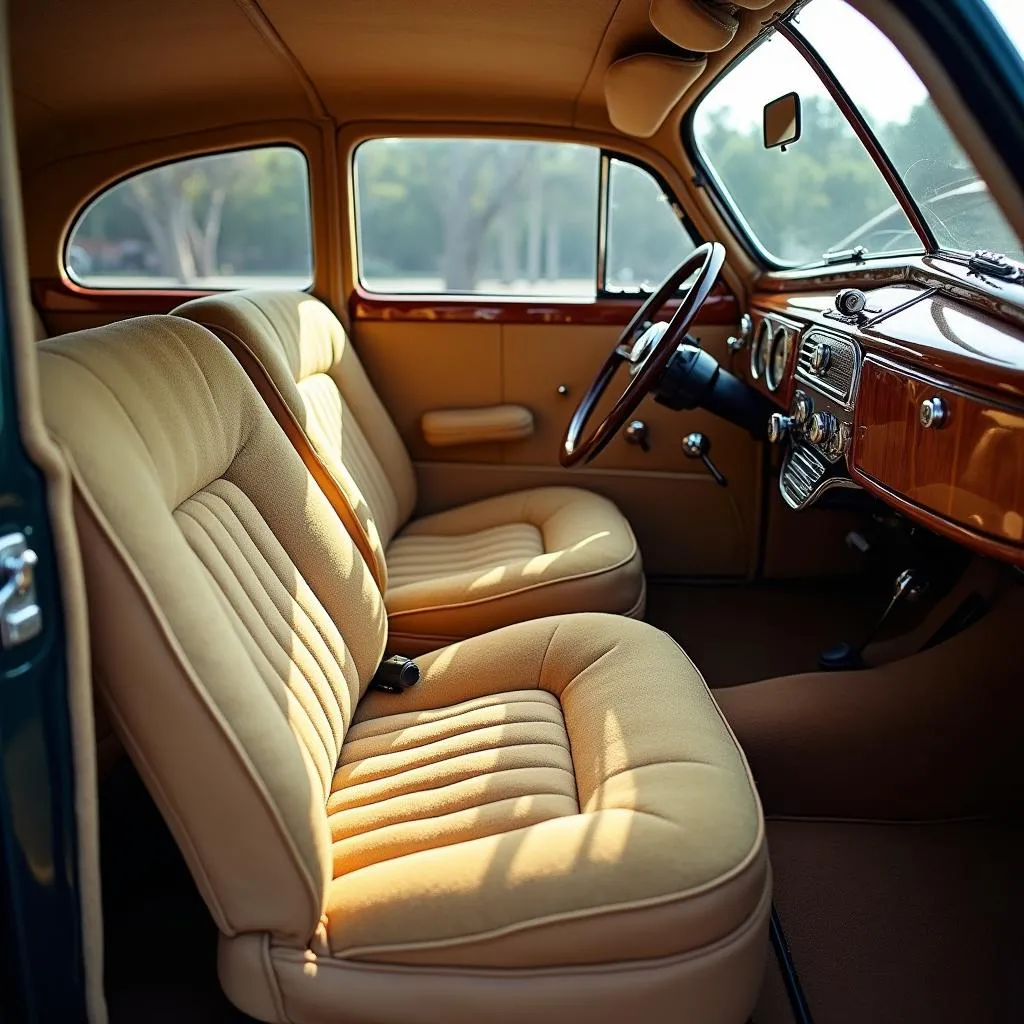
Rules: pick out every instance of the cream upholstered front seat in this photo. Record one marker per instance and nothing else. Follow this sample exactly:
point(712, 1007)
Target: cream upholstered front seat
point(554, 824)
point(450, 575)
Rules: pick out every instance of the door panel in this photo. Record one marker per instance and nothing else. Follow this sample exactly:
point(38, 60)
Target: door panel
point(65, 307)
point(686, 524)
point(418, 367)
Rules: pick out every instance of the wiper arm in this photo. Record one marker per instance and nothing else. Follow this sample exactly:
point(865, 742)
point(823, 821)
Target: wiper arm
point(854, 255)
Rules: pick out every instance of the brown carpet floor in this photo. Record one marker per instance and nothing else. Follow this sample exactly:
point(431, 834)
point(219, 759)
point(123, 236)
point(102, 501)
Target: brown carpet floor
point(742, 633)
point(899, 924)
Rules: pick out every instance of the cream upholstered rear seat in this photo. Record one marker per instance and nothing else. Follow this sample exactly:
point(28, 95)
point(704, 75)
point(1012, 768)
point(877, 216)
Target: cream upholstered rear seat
point(450, 575)
point(556, 823)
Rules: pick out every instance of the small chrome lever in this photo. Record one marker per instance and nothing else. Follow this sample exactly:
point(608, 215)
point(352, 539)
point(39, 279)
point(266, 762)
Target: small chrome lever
point(635, 432)
point(20, 615)
point(698, 446)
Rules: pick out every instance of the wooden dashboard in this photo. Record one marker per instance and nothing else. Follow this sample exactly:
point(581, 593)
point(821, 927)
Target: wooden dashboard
point(936, 407)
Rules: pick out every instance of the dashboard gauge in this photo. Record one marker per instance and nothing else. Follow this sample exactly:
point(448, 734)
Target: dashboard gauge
point(777, 358)
point(759, 349)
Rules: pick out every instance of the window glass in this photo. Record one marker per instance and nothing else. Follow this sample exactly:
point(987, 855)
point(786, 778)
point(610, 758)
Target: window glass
point(809, 198)
point(646, 239)
point(231, 220)
point(477, 216)
point(950, 193)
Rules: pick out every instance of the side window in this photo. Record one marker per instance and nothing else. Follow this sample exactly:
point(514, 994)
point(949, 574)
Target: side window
point(229, 220)
point(477, 216)
point(646, 238)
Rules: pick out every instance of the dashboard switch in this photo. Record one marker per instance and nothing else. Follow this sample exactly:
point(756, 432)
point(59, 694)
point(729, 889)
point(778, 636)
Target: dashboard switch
point(779, 426)
point(821, 356)
point(932, 414)
point(803, 408)
point(822, 429)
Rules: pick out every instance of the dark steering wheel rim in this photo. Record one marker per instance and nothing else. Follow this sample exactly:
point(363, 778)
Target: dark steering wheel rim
point(648, 361)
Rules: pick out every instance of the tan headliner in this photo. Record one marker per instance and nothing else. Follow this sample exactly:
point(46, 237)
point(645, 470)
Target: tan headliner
point(98, 75)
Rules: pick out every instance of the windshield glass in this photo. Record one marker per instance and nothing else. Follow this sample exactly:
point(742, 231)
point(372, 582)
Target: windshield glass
point(823, 194)
point(894, 102)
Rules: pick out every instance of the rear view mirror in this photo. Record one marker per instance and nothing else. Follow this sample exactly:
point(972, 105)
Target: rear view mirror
point(782, 122)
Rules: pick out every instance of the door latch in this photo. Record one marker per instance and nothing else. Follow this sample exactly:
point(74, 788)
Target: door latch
point(21, 618)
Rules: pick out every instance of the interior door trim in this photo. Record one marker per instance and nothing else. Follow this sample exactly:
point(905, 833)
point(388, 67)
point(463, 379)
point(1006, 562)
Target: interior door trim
point(721, 309)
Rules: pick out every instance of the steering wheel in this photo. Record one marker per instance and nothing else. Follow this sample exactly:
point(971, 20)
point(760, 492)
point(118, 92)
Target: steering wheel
point(647, 354)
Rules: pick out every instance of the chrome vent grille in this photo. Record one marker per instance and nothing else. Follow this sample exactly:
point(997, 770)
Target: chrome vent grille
point(840, 376)
point(802, 472)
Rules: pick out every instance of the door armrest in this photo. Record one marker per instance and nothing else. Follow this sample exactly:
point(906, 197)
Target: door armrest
point(445, 428)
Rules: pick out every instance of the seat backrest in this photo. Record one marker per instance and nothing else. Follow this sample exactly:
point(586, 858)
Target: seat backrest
point(234, 626)
point(305, 351)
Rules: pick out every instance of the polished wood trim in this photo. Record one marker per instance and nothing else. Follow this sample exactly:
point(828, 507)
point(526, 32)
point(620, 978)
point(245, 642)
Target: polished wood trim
point(949, 275)
point(964, 480)
point(937, 334)
point(720, 309)
point(58, 295)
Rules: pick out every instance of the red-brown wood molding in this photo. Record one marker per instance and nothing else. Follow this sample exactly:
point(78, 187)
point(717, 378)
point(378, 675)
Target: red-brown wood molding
point(720, 309)
point(963, 478)
point(55, 295)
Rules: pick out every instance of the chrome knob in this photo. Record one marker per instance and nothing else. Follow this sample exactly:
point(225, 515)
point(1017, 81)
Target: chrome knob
point(779, 426)
point(821, 356)
point(933, 413)
point(821, 428)
point(563, 389)
point(698, 446)
point(851, 301)
point(635, 432)
point(844, 439)
point(803, 408)
point(746, 330)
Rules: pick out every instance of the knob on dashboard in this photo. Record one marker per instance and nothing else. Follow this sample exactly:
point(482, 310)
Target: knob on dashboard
point(932, 413)
point(821, 356)
point(822, 428)
point(779, 426)
point(803, 407)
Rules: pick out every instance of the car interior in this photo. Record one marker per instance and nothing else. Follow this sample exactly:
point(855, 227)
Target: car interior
point(537, 496)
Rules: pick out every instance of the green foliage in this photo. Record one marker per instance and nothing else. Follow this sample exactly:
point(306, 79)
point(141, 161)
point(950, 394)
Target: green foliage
point(467, 214)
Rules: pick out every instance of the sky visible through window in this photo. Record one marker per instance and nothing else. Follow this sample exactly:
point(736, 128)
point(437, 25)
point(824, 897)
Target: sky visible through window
point(889, 97)
point(1011, 15)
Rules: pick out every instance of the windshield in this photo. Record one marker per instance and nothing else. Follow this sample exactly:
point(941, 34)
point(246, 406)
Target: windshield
point(823, 194)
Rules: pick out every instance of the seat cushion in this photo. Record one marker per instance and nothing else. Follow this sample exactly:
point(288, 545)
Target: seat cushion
point(556, 796)
point(519, 556)
point(485, 766)
point(425, 558)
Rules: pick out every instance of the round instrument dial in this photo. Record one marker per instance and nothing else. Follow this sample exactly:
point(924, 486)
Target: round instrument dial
point(759, 349)
point(777, 358)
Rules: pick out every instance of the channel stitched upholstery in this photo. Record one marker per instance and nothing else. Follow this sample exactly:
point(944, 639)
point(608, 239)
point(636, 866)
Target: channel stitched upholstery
point(590, 560)
point(555, 823)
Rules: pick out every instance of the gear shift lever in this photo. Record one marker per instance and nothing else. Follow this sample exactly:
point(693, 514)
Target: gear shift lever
point(910, 586)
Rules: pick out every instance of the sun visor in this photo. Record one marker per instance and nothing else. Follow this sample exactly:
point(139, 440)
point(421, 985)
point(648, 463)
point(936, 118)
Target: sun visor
point(695, 24)
point(642, 89)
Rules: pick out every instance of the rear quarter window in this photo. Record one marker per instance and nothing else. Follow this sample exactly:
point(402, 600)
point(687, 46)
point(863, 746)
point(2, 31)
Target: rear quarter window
point(220, 221)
